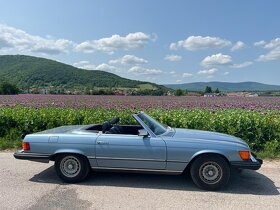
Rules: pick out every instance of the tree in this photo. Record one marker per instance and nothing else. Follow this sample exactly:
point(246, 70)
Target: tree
point(179, 92)
point(217, 90)
point(208, 89)
point(8, 89)
point(87, 91)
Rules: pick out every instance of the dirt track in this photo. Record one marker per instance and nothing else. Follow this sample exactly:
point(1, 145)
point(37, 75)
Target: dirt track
point(30, 185)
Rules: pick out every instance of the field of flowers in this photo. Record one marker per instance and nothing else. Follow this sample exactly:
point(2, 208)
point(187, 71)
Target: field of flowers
point(140, 102)
point(256, 120)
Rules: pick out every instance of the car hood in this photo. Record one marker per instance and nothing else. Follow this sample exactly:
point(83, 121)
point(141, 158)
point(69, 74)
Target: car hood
point(206, 135)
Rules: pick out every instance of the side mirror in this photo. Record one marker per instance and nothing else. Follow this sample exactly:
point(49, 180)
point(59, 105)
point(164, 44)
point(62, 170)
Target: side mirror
point(143, 133)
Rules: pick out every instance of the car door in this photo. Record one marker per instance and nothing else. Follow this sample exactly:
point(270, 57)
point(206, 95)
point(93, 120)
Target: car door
point(130, 152)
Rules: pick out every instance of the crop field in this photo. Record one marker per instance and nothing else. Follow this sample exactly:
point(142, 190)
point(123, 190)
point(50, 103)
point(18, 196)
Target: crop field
point(140, 102)
point(256, 119)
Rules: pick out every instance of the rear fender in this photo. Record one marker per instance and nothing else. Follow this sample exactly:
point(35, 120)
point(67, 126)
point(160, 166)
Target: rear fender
point(67, 151)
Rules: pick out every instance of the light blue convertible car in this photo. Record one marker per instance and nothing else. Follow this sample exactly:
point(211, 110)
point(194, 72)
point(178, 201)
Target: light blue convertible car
point(147, 147)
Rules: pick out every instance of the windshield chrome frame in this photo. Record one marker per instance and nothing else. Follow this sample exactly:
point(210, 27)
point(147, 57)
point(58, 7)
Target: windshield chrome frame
point(147, 127)
point(151, 133)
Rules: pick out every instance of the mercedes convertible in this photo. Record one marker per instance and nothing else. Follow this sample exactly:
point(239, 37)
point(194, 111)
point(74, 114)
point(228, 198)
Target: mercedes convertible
point(148, 147)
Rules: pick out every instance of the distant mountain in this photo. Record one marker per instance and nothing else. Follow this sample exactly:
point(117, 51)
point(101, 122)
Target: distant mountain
point(225, 86)
point(29, 71)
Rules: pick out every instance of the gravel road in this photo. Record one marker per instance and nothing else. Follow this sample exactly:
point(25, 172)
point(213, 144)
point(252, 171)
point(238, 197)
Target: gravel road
point(30, 185)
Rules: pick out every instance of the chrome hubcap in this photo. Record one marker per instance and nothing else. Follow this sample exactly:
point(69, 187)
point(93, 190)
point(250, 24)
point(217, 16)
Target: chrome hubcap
point(210, 172)
point(70, 166)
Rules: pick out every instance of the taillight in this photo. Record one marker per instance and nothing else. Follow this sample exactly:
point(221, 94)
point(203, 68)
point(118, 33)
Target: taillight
point(245, 155)
point(25, 146)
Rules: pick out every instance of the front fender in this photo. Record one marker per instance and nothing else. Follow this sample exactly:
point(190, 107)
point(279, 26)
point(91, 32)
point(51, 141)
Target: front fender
point(223, 153)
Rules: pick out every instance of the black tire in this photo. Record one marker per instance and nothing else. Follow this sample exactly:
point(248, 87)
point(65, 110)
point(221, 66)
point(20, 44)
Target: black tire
point(71, 168)
point(210, 172)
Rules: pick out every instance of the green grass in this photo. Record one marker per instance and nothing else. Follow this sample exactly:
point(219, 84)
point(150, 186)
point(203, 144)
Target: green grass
point(260, 129)
point(147, 87)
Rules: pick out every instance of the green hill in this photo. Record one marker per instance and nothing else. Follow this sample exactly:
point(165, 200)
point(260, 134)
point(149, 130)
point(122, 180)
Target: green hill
point(29, 71)
point(226, 86)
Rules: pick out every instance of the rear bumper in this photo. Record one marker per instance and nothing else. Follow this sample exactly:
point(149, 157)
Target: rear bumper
point(21, 155)
point(254, 163)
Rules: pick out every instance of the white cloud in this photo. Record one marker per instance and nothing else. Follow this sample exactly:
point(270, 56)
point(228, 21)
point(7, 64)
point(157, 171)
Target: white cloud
point(173, 57)
point(173, 46)
point(223, 60)
point(89, 66)
point(273, 44)
point(187, 75)
point(19, 40)
point(217, 59)
point(274, 53)
point(84, 65)
point(194, 43)
point(208, 71)
point(260, 43)
point(238, 45)
point(144, 71)
point(129, 59)
point(242, 65)
point(105, 67)
point(115, 42)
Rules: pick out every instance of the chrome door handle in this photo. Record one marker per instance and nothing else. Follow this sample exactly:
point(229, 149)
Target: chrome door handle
point(102, 142)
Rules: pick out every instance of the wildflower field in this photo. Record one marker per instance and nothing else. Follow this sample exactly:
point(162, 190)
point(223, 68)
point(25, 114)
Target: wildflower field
point(256, 119)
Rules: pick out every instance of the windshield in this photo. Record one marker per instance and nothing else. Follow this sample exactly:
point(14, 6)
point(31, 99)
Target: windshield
point(154, 125)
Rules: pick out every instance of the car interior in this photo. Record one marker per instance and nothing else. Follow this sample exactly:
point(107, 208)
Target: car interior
point(112, 128)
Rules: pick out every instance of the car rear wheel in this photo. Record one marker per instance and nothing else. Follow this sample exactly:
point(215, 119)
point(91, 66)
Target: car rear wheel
point(210, 172)
point(71, 168)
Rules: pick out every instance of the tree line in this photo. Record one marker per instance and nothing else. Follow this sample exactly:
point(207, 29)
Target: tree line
point(8, 89)
point(208, 89)
point(11, 89)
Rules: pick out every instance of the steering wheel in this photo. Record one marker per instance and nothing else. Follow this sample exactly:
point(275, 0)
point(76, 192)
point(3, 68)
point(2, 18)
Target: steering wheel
point(115, 120)
point(106, 126)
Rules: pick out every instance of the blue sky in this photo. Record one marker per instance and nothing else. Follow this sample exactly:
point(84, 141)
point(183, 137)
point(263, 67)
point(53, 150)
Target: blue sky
point(157, 41)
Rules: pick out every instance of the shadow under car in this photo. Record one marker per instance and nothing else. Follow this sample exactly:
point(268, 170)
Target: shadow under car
point(246, 182)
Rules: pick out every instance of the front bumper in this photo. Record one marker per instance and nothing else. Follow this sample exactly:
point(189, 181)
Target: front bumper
point(254, 163)
point(21, 155)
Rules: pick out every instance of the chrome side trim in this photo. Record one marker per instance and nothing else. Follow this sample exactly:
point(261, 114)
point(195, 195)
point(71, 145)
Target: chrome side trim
point(131, 159)
point(176, 161)
point(136, 170)
point(136, 159)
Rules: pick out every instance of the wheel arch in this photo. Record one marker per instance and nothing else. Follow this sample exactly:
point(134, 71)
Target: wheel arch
point(206, 152)
point(67, 151)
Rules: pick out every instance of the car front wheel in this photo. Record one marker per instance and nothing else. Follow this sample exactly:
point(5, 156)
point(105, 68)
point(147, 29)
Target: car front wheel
point(210, 172)
point(71, 168)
